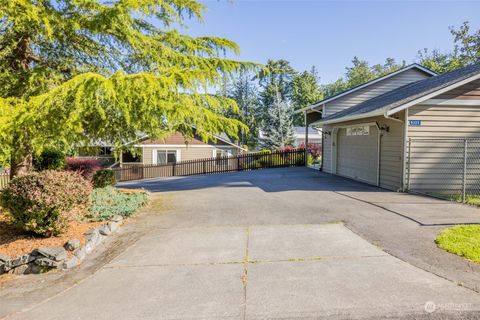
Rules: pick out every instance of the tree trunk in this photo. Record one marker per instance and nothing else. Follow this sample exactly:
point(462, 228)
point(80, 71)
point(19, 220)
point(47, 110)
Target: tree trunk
point(21, 159)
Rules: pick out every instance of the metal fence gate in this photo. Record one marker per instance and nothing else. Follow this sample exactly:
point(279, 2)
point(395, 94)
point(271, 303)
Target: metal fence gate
point(446, 168)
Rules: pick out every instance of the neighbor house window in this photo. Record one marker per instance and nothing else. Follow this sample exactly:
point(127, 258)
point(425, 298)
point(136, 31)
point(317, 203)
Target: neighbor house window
point(220, 153)
point(167, 156)
point(358, 131)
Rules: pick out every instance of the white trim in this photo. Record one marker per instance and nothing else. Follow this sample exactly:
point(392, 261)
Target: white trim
point(334, 151)
point(379, 133)
point(433, 94)
point(349, 118)
point(323, 102)
point(404, 153)
point(179, 155)
point(373, 123)
point(451, 102)
point(154, 156)
point(181, 146)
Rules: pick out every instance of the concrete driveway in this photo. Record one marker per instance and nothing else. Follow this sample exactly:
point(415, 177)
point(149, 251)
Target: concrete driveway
point(279, 243)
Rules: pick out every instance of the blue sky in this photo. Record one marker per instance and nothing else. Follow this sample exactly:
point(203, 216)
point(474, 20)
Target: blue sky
point(328, 34)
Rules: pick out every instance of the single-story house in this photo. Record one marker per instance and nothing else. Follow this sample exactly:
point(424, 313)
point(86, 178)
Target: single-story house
point(173, 149)
point(366, 129)
point(314, 135)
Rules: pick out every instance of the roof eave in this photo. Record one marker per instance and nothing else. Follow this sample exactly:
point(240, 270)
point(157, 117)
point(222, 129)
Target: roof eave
point(366, 84)
point(431, 95)
point(350, 118)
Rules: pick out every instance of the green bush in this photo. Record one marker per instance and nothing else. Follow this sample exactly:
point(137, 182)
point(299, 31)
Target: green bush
point(104, 178)
point(310, 160)
point(49, 159)
point(108, 202)
point(46, 202)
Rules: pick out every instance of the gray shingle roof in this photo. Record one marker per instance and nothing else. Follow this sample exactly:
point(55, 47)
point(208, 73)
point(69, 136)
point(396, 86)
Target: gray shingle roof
point(407, 93)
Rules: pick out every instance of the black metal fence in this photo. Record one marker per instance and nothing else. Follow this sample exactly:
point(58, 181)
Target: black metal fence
point(243, 162)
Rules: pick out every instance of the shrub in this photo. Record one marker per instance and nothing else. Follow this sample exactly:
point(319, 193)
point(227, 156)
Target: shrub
point(49, 159)
point(104, 178)
point(86, 167)
point(46, 202)
point(315, 149)
point(108, 202)
point(310, 159)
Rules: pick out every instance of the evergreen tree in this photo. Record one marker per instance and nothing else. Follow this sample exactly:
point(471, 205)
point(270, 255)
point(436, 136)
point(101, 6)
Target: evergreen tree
point(306, 90)
point(278, 128)
point(275, 78)
point(244, 92)
point(76, 72)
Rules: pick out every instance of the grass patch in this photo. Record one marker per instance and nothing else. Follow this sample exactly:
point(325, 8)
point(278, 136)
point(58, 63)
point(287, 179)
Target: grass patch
point(473, 199)
point(461, 240)
point(108, 202)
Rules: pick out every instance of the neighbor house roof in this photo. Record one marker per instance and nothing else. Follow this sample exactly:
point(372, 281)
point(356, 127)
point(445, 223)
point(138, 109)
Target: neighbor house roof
point(301, 130)
point(405, 96)
point(366, 84)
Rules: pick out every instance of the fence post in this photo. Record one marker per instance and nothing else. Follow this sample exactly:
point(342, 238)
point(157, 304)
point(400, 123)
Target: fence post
point(174, 166)
point(409, 165)
point(464, 180)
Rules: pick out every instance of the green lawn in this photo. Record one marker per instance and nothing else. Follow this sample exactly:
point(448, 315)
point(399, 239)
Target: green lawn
point(461, 240)
point(469, 198)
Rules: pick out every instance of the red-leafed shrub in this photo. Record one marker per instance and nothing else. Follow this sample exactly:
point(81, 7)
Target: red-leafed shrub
point(46, 202)
point(315, 149)
point(86, 167)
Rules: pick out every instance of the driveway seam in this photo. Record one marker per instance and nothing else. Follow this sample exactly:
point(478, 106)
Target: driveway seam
point(245, 274)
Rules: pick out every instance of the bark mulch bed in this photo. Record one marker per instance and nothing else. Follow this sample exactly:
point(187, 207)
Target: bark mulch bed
point(15, 242)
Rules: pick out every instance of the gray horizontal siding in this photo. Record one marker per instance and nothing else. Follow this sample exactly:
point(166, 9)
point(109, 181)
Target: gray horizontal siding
point(371, 91)
point(436, 166)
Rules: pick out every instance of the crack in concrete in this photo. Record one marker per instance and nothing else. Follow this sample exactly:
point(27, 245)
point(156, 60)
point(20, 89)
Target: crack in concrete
point(246, 262)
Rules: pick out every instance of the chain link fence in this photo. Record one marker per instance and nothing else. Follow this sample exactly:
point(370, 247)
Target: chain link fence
point(445, 168)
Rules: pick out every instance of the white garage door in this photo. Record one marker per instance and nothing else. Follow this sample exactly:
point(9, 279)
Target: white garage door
point(357, 153)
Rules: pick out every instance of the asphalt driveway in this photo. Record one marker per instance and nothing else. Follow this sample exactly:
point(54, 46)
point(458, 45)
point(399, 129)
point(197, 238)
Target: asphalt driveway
point(279, 243)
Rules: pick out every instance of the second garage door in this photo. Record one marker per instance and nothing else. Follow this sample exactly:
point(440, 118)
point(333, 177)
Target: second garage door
point(357, 153)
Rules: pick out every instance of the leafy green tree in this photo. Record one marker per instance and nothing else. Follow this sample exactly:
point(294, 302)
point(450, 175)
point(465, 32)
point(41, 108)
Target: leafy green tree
point(278, 127)
point(306, 90)
point(466, 51)
point(359, 73)
point(76, 72)
point(440, 62)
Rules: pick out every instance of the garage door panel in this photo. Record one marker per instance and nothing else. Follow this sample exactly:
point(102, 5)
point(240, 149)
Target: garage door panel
point(357, 155)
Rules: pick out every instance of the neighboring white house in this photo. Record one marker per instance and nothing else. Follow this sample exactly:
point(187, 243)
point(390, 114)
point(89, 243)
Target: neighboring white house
point(314, 135)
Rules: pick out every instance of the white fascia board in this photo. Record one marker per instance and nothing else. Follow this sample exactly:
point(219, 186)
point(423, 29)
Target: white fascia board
point(350, 118)
point(181, 146)
point(323, 102)
point(450, 102)
point(431, 95)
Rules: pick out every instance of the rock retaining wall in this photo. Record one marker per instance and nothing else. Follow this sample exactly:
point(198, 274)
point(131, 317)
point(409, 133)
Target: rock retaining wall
point(46, 258)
